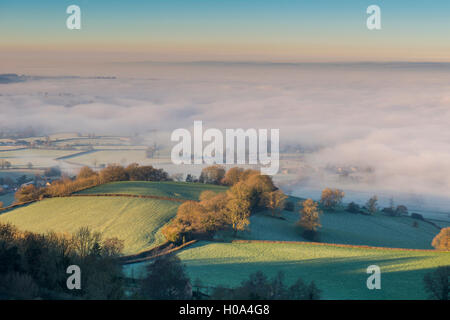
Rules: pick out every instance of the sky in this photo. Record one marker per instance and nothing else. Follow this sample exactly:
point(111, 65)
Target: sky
point(250, 30)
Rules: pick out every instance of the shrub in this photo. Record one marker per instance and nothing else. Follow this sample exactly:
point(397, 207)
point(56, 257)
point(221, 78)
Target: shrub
point(401, 210)
point(52, 172)
point(259, 287)
point(389, 211)
point(28, 193)
point(353, 208)
point(289, 206)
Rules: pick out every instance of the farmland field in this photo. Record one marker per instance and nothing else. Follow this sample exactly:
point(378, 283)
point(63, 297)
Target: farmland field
point(14, 174)
point(37, 157)
point(7, 199)
point(339, 271)
point(111, 156)
point(346, 228)
point(136, 221)
point(180, 190)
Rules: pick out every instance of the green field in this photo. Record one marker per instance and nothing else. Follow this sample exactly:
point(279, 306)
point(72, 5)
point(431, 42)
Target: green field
point(340, 272)
point(346, 228)
point(181, 190)
point(7, 199)
point(136, 221)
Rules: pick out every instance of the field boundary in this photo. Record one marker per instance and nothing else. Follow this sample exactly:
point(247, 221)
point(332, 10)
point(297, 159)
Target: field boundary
point(76, 154)
point(129, 196)
point(158, 251)
point(334, 245)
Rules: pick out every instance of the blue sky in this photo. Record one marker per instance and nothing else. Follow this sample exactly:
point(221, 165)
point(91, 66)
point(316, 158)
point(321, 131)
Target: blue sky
point(285, 27)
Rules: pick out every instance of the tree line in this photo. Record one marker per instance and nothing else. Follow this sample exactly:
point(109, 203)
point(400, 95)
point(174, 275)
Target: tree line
point(167, 279)
point(33, 266)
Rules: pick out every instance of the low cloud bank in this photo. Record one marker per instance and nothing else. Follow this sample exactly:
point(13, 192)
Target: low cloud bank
point(392, 120)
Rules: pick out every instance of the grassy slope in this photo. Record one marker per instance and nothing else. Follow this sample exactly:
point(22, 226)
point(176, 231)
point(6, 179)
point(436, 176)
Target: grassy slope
point(137, 221)
point(181, 190)
point(346, 228)
point(7, 199)
point(339, 272)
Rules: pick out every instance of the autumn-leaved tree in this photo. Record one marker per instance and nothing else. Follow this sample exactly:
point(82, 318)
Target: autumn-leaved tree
point(85, 173)
point(331, 198)
point(309, 218)
point(274, 201)
point(238, 207)
point(212, 174)
point(232, 176)
point(442, 240)
point(113, 173)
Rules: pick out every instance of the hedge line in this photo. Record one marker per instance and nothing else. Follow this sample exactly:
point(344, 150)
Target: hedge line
point(332, 245)
point(129, 196)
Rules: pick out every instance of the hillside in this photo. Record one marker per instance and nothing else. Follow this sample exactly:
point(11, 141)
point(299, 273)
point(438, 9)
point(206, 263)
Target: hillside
point(7, 199)
point(339, 271)
point(136, 221)
point(346, 228)
point(180, 190)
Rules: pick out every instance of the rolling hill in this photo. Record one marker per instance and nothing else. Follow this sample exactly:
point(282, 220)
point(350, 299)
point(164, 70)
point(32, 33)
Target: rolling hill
point(180, 190)
point(340, 272)
point(136, 221)
point(346, 228)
